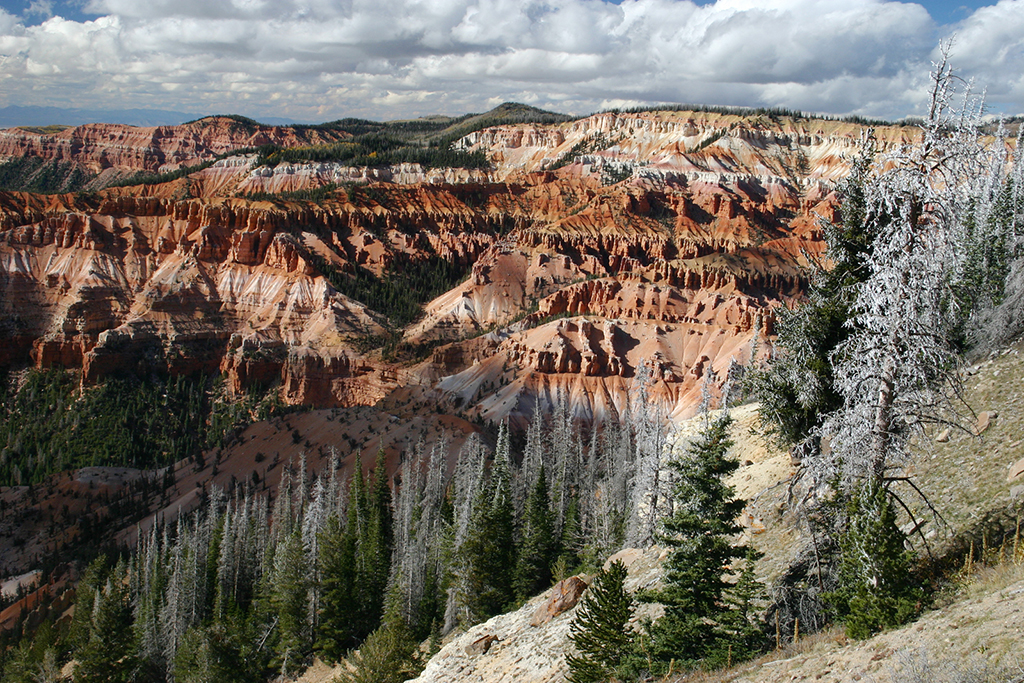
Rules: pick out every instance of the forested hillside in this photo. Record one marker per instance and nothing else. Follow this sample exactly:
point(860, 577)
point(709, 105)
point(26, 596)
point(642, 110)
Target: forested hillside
point(272, 582)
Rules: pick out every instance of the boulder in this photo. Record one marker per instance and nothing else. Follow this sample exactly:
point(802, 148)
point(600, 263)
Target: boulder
point(944, 436)
point(1017, 492)
point(564, 597)
point(481, 645)
point(985, 420)
point(1016, 471)
point(626, 556)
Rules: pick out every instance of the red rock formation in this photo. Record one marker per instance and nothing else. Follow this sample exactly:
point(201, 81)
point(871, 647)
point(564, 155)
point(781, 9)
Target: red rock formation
point(563, 598)
point(101, 146)
point(592, 247)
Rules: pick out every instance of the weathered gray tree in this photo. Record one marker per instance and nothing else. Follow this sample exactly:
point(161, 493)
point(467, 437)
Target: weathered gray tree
point(899, 370)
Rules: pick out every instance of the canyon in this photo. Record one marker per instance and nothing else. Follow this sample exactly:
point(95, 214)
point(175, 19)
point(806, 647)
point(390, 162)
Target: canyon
point(588, 250)
point(113, 152)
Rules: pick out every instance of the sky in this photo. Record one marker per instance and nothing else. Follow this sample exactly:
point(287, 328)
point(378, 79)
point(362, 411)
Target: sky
point(319, 60)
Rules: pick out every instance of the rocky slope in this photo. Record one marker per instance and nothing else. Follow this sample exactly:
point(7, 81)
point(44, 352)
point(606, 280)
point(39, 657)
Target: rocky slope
point(108, 505)
point(529, 645)
point(590, 248)
point(975, 638)
point(977, 634)
point(974, 628)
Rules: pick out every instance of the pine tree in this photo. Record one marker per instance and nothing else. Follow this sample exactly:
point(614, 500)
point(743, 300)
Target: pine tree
point(148, 585)
point(432, 542)
point(335, 630)
point(798, 388)
point(389, 654)
point(570, 543)
point(993, 245)
point(899, 368)
point(354, 563)
point(588, 499)
point(34, 660)
point(695, 627)
point(312, 523)
point(600, 630)
point(288, 598)
point(373, 551)
point(219, 653)
point(108, 657)
point(741, 625)
point(536, 546)
point(405, 555)
point(649, 442)
point(489, 548)
point(86, 592)
point(876, 357)
point(466, 486)
point(567, 456)
point(533, 458)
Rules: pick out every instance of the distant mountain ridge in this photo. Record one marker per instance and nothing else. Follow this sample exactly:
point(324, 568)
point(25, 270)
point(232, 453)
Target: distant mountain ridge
point(64, 158)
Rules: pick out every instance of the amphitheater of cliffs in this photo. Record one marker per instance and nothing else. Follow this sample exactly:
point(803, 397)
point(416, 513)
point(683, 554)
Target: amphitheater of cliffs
point(589, 248)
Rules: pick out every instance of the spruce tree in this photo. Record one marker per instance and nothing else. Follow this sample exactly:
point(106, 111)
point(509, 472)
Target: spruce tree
point(569, 545)
point(488, 552)
point(373, 550)
point(288, 599)
point(34, 660)
point(219, 653)
point(799, 387)
point(877, 589)
point(695, 629)
point(335, 630)
point(741, 625)
point(91, 583)
point(389, 654)
point(533, 568)
point(600, 630)
point(108, 657)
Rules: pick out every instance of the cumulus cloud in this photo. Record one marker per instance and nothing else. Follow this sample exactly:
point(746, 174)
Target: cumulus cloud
point(317, 59)
point(42, 8)
point(988, 46)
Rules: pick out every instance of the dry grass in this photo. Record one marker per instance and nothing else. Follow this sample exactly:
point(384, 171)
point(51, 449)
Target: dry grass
point(818, 642)
point(965, 479)
point(986, 570)
point(923, 666)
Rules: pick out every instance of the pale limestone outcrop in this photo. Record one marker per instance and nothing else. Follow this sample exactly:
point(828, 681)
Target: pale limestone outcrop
point(518, 652)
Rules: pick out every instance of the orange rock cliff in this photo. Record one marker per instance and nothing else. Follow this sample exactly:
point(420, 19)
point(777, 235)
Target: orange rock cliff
point(590, 248)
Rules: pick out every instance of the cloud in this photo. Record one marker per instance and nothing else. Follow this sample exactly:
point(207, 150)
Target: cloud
point(316, 59)
point(988, 46)
point(41, 8)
